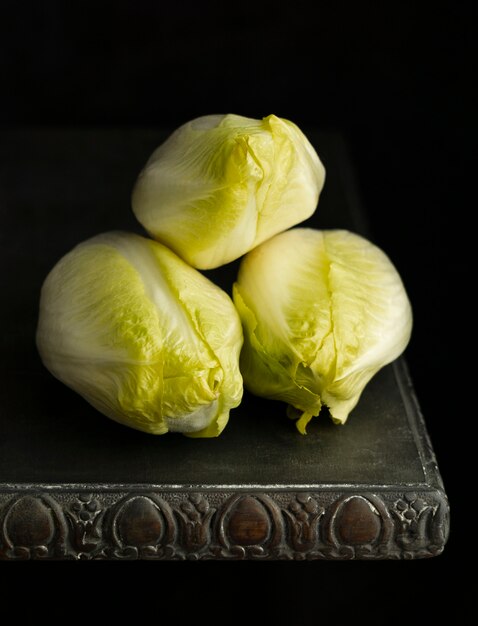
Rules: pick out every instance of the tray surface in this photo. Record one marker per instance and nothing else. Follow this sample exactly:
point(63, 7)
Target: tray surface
point(58, 187)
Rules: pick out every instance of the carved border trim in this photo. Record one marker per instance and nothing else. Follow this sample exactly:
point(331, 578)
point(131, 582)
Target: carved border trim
point(222, 525)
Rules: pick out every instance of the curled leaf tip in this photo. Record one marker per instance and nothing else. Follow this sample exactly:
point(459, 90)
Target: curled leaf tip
point(301, 423)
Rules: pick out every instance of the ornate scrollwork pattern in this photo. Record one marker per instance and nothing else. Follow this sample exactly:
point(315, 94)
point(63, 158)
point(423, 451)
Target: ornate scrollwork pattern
point(194, 515)
point(84, 516)
point(303, 514)
point(181, 525)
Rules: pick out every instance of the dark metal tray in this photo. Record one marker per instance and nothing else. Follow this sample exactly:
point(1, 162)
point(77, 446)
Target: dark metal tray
point(75, 485)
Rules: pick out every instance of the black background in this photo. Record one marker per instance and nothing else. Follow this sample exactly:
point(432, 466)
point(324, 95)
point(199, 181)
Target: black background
point(397, 80)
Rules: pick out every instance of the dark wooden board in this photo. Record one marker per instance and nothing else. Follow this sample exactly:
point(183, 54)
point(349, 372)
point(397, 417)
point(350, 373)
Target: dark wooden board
point(76, 485)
